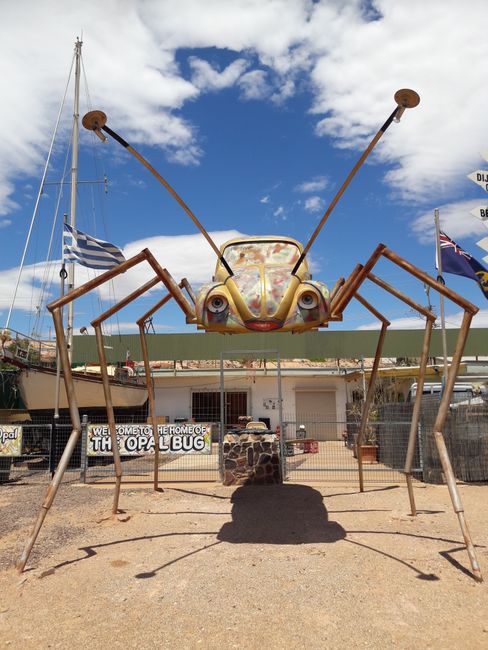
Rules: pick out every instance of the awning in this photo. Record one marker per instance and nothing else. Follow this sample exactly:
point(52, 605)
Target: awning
point(402, 372)
point(12, 416)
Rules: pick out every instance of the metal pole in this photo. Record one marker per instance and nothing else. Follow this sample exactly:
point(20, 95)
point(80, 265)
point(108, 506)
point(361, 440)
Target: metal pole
point(74, 188)
point(62, 275)
point(441, 280)
point(441, 445)
point(395, 114)
point(110, 415)
point(70, 445)
point(367, 402)
point(416, 412)
point(280, 418)
point(152, 402)
point(84, 447)
point(222, 418)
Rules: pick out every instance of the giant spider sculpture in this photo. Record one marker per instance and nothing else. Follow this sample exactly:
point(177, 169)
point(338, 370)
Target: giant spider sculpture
point(263, 284)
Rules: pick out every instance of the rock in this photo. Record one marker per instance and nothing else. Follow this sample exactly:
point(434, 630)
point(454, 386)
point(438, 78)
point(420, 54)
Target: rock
point(123, 517)
point(45, 572)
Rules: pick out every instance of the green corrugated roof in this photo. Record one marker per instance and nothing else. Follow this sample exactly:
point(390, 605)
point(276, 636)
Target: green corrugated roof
point(311, 345)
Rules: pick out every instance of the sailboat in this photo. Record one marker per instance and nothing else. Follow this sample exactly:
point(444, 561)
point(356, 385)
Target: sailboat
point(38, 375)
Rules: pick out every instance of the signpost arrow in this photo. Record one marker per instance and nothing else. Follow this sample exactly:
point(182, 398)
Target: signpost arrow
point(481, 213)
point(483, 243)
point(480, 177)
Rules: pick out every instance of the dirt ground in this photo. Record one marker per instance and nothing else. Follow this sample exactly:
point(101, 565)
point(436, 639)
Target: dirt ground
point(204, 566)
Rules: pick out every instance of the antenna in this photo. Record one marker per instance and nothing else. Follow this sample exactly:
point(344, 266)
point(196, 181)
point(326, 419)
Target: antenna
point(96, 121)
point(405, 98)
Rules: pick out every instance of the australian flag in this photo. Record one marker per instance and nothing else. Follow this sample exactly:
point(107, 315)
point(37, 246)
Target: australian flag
point(455, 260)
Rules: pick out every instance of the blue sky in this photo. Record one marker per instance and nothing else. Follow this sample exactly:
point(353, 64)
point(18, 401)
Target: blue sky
point(255, 112)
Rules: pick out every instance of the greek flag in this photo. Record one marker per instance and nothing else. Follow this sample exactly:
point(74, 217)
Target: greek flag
point(88, 251)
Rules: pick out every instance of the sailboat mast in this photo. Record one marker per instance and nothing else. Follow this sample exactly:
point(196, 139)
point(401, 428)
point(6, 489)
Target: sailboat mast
point(74, 186)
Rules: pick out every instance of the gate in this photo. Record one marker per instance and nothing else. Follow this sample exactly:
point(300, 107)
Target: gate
point(225, 425)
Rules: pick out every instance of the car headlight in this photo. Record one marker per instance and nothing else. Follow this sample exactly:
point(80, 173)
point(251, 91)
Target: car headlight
point(308, 300)
point(217, 304)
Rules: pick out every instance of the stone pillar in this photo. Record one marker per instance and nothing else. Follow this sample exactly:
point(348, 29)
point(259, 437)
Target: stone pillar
point(251, 458)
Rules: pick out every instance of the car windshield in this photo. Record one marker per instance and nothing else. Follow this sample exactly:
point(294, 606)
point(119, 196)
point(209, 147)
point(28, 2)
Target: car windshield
point(262, 252)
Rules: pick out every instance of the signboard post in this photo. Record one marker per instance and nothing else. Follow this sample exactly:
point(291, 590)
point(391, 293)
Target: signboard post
point(480, 177)
point(481, 213)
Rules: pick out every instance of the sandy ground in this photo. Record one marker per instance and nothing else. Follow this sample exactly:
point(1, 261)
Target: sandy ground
point(203, 566)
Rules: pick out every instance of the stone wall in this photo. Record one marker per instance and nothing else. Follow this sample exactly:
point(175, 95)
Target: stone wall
point(251, 458)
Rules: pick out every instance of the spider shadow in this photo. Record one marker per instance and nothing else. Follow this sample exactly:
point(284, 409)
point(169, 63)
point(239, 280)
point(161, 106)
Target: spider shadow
point(279, 514)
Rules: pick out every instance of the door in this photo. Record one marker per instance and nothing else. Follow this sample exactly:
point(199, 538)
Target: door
point(316, 409)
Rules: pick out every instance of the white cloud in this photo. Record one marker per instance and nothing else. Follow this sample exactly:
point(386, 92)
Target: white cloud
point(314, 204)
point(254, 85)
point(207, 77)
point(264, 199)
point(5, 222)
point(314, 185)
point(279, 212)
point(352, 58)
point(363, 62)
point(454, 219)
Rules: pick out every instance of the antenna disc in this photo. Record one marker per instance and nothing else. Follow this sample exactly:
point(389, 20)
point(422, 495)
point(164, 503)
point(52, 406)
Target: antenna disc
point(94, 120)
point(407, 98)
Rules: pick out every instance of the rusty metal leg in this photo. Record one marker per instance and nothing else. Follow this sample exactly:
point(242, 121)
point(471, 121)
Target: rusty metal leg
point(110, 414)
point(369, 397)
point(442, 449)
point(70, 446)
point(152, 406)
point(416, 413)
point(456, 502)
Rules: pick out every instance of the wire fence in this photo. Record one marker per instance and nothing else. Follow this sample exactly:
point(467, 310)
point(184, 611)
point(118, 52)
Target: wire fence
point(316, 449)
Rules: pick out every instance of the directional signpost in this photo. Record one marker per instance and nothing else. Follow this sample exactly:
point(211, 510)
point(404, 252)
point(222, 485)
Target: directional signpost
point(481, 213)
point(483, 243)
point(480, 177)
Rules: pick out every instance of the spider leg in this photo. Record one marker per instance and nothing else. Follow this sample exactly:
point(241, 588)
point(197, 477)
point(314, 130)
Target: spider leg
point(412, 438)
point(338, 304)
point(149, 382)
point(56, 309)
point(371, 386)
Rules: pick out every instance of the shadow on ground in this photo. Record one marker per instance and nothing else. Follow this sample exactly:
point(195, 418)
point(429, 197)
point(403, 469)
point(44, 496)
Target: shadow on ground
point(279, 514)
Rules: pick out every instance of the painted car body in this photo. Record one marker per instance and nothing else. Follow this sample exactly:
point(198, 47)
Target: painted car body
point(262, 294)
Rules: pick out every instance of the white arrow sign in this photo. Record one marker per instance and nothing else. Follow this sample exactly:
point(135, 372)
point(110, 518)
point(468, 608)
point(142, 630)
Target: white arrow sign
point(481, 213)
point(483, 243)
point(480, 177)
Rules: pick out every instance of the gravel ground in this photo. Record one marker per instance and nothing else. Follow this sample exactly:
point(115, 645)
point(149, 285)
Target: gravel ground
point(204, 566)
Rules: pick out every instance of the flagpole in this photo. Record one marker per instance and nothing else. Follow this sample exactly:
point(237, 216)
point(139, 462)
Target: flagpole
point(62, 276)
point(441, 280)
point(74, 187)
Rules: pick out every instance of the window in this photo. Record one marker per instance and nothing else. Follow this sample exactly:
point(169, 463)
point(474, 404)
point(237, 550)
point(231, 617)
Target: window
point(205, 406)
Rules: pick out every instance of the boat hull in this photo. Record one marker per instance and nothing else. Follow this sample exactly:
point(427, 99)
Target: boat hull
point(37, 387)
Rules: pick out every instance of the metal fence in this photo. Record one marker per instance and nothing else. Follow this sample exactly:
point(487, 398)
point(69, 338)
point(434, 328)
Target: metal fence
point(327, 452)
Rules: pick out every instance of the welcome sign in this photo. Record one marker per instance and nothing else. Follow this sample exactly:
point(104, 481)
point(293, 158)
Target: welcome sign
point(137, 439)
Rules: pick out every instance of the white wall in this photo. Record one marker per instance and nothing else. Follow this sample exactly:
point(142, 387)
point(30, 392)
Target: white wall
point(173, 394)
